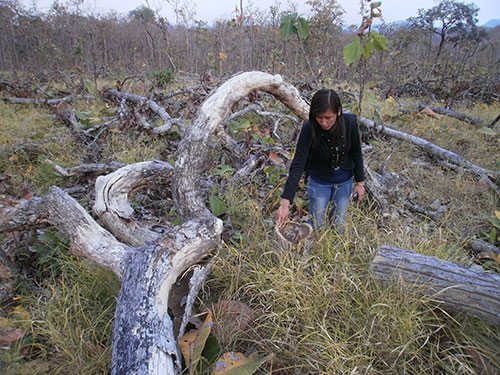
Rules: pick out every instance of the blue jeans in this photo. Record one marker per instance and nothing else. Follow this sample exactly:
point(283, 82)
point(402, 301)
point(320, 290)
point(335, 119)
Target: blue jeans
point(334, 197)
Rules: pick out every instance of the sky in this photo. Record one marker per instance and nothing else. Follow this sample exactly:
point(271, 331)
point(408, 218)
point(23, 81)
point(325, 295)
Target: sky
point(210, 10)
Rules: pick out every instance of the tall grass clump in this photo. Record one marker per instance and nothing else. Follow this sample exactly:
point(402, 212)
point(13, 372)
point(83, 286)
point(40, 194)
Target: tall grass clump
point(68, 321)
point(323, 313)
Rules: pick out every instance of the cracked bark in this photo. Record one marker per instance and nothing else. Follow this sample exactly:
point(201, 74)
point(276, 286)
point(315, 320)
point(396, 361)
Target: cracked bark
point(457, 287)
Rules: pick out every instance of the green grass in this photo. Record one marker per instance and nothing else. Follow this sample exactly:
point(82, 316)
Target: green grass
point(68, 322)
point(24, 167)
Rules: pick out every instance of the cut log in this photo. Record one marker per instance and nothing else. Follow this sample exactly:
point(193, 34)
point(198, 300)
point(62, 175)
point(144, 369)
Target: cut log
point(457, 287)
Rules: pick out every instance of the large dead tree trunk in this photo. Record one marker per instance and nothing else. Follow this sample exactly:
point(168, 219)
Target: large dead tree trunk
point(144, 341)
point(455, 286)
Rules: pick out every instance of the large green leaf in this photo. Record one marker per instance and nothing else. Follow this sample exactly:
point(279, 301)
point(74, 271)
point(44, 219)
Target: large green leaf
point(486, 131)
point(367, 51)
point(287, 26)
point(217, 205)
point(353, 51)
point(379, 41)
point(302, 28)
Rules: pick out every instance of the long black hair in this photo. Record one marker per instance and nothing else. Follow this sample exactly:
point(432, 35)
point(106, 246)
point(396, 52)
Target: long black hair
point(322, 101)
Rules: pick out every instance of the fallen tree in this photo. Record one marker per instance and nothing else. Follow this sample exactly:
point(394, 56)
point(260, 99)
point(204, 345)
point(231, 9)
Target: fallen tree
point(445, 155)
point(455, 286)
point(144, 341)
point(41, 101)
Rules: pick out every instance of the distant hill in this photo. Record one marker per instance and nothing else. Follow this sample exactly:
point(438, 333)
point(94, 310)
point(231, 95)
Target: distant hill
point(492, 23)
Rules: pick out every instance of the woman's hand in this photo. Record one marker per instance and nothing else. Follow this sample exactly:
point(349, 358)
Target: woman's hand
point(282, 213)
point(359, 189)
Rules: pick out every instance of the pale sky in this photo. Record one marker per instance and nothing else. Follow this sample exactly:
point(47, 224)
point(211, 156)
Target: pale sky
point(210, 10)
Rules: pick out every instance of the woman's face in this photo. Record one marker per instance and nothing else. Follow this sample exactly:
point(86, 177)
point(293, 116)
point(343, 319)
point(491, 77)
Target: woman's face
point(327, 119)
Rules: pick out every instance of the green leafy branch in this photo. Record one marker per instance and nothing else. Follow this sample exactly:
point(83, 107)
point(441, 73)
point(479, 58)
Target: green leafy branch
point(365, 43)
point(293, 24)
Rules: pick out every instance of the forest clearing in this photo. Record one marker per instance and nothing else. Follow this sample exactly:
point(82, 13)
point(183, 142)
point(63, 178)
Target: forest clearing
point(139, 183)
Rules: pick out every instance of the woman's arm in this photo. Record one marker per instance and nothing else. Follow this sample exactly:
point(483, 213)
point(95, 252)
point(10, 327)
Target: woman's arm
point(357, 157)
point(298, 163)
point(294, 174)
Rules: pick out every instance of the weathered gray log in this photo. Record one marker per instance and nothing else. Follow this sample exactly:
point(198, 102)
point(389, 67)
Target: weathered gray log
point(457, 287)
point(433, 149)
point(40, 101)
point(458, 115)
point(481, 246)
point(210, 115)
point(143, 335)
point(87, 238)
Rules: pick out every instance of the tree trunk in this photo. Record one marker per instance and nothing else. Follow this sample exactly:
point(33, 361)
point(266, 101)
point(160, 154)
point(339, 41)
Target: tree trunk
point(144, 341)
point(457, 287)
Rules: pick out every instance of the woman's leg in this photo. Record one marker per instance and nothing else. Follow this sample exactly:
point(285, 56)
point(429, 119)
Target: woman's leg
point(319, 198)
point(341, 195)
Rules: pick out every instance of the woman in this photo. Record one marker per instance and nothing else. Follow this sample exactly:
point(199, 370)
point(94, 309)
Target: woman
point(329, 150)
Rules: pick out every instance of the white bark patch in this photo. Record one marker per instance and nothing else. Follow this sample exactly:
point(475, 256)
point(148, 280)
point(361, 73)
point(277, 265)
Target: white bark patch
point(112, 199)
point(192, 152)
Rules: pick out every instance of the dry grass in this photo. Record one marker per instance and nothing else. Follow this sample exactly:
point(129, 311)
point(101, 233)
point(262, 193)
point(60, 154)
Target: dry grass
point(319, 314)
point(325, 314)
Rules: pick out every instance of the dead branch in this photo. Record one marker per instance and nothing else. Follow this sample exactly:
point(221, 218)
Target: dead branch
point(57, 208)
point(112, 204)
point(213, 111)
point(480, 246)
point(168, 122)
point(492, 124)
point(433, 149)
point(95, 168)
point(185, 90)
point(457, 115)
point(39, 101)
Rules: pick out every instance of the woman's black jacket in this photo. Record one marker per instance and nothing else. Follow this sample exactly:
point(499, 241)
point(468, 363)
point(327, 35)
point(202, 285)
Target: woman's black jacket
point(320, 158)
